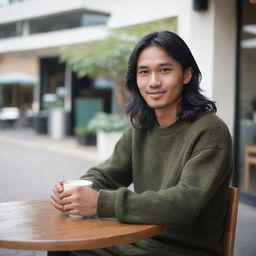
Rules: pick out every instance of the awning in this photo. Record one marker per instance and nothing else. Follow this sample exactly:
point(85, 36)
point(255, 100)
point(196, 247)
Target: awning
point(18, 78)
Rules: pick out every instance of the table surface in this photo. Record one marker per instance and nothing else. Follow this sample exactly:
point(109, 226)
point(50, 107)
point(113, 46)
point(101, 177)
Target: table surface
point(36, 225)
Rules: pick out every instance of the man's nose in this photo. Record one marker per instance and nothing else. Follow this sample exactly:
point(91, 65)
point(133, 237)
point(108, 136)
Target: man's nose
point(154, 80)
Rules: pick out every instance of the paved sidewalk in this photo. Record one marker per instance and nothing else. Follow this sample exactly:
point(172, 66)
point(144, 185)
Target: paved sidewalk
point(246, 226)
point(68, 145)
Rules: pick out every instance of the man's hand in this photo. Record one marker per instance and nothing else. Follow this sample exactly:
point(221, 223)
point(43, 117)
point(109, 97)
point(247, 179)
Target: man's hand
point(79, 201)
point(55, 196)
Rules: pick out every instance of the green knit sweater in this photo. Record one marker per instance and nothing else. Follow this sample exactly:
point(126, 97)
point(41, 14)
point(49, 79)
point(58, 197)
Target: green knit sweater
point(180, 174)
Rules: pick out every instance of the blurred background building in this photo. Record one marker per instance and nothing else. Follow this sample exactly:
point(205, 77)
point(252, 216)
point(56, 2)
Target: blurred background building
point(221, 35)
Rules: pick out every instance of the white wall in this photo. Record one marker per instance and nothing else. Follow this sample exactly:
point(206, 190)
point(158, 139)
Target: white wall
point(53, 39)
point(132, 12)
point(224, 61)
point(211, 37)
point(197, 29)
point(3, 2)
point(38, 8)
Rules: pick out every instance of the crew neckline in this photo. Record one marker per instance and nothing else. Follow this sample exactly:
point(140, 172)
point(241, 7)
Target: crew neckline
point(170, 128)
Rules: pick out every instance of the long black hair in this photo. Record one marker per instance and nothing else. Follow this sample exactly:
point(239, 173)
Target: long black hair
point(193, 102)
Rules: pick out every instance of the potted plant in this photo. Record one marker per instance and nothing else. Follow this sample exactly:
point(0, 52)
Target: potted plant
point(85, 136)
point(109, 129)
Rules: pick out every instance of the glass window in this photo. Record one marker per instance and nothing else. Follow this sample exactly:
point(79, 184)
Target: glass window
point(67, 21)
point(247, 100)
point(14, 1)
point(10, 30)
point(92, 19)
point(54, 23)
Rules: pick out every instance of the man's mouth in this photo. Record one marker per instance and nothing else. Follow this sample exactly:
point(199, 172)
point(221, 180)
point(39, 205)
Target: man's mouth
point(156, 94)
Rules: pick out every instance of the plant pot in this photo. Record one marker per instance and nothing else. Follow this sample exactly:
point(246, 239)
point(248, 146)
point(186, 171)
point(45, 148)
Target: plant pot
point(86, 139)
point(57, 123)
point(106, 142)
point(91, 139)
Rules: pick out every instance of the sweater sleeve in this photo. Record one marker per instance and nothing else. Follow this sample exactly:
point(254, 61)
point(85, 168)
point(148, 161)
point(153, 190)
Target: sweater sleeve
point(116, 171)
point(201, 176)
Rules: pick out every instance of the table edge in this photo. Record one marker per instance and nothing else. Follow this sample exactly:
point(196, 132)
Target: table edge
point(82, 244)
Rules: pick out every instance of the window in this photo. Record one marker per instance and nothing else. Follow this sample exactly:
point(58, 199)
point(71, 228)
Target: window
point(14, 1)
point(53, 23)
point(10, 30)
point(247, 100)
point(92, 19)
point(67, 21)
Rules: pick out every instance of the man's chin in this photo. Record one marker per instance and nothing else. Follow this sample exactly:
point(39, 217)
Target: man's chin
point(154, 107)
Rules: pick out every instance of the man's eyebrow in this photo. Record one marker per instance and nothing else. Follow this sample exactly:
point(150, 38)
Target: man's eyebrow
point(160, 65)
point(141, 67)
point(165, 64)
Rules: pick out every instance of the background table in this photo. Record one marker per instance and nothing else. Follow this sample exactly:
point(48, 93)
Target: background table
point(36, 225)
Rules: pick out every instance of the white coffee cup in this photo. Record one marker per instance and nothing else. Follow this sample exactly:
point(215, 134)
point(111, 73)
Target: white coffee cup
point(69, 184)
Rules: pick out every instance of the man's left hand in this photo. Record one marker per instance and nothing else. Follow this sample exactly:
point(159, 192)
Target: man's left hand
point(80, 201)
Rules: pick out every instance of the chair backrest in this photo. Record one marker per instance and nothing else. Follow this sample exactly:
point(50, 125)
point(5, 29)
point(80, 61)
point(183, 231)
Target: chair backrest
point(228, 239)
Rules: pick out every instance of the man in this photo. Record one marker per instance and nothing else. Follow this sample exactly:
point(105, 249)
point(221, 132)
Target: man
point(177, 154)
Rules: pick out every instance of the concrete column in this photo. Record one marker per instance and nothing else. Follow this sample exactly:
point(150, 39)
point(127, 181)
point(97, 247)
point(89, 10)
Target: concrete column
point(210, 35)
point(36, 91)
point(68, 89)
point(197, 29)
point(25, 28)
point(68, 99)
point(224, 61)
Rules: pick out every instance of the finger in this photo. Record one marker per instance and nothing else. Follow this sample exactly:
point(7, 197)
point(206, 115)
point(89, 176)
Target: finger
point(56, 194)
point(56, 198)
point(56, 191)
point(66, 193)
point(57, 206)
point(59, 186)
point(68, 207)
point(66, 200)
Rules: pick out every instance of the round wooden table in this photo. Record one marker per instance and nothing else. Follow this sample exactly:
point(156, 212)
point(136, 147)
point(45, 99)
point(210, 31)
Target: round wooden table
point(36, 225)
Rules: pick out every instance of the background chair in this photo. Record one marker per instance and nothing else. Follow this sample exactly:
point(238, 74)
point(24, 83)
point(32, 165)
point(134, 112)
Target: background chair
point(228, 239)
point(250, 159)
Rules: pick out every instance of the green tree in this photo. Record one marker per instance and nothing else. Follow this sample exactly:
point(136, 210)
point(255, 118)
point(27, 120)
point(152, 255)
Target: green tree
point(108, 58)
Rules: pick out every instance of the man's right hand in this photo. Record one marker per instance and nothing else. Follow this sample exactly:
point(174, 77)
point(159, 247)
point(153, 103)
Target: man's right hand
point(55, 196)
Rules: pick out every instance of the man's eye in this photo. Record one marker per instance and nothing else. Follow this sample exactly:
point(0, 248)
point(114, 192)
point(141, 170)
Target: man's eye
point(143, 72)
point(165, 70)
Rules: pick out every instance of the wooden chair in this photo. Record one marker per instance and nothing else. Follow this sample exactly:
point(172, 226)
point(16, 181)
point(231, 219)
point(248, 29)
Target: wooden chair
point(228, 239)
point(250, 159)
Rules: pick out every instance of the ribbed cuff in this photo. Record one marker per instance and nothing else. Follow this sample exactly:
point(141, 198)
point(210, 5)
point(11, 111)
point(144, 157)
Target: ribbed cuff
point(106, 204)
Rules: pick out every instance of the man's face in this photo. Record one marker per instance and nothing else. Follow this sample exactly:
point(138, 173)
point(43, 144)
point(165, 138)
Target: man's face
point(160, 79)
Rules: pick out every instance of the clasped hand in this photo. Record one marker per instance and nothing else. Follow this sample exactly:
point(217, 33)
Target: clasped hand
point(77, 201)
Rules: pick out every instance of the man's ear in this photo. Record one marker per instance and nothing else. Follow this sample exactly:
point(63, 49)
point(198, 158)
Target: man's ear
point(187, 75)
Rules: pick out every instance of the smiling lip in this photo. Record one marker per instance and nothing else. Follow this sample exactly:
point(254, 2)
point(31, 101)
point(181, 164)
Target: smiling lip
point(156, 94)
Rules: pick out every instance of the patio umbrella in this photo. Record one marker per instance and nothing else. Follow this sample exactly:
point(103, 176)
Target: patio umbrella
point(17, 78)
